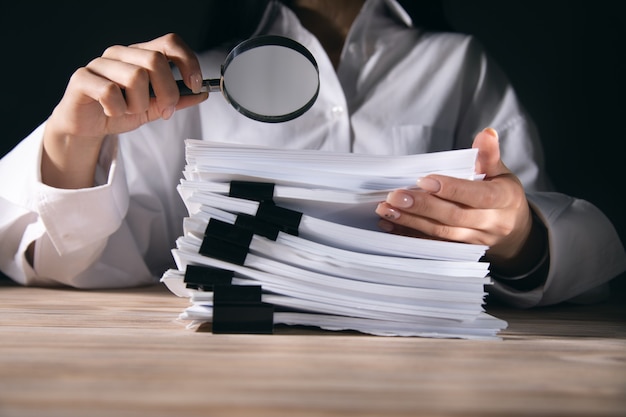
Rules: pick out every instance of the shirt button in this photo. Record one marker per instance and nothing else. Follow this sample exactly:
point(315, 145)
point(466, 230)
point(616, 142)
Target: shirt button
point(337, 112)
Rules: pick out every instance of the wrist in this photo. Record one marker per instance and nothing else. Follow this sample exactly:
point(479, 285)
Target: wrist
point(529, 268)
point(68, 161)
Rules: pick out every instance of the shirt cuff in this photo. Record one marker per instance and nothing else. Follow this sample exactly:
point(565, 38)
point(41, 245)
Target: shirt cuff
point(537, 275)
point(75, 218)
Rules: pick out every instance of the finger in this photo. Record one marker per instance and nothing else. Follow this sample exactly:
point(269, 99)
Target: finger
point(133, 79)
point(396, 229)
point(176, 50)
point(191, 100)
point(86, 86)
point(490, 193)
point(159, 74)
point(488, 161)
point(422, 205)
point(418, 226)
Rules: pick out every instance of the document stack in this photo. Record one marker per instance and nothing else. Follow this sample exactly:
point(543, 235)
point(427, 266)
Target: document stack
point(290, 237)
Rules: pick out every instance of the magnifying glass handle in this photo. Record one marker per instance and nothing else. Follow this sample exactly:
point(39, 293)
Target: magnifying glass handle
point(208, 85)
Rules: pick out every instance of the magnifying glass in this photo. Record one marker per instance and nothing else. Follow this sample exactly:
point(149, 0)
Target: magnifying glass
point(267, 78)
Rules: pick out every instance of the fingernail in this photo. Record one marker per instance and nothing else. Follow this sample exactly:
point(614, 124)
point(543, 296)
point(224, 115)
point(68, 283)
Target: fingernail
point(491, 131)
point(429, 184)
point(400, 199)
point(195, 82)
point(168, 112)
point(383, 210)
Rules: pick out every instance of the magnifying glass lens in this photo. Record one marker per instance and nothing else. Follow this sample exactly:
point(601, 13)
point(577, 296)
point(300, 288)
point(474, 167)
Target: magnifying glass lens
point(270, 82)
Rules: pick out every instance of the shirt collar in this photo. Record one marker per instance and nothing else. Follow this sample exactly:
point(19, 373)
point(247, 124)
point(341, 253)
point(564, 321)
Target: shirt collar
point(399, 12)
point(393, 6)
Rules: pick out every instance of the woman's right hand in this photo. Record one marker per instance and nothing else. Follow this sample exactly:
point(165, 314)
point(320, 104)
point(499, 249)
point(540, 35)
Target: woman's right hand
point(111, 95)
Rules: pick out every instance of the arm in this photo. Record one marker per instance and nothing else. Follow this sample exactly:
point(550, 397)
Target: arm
point(553, 246)
point(66, 211)
point(110, 96)
point(566, 249)
point(493, 212)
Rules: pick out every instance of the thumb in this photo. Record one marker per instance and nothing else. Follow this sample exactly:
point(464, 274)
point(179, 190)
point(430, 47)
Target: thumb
point(488, 161)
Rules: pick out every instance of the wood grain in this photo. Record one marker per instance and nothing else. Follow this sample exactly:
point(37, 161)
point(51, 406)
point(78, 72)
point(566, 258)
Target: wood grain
point(68, 353)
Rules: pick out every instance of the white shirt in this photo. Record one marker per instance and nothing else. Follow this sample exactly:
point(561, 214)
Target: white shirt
point(397, 90)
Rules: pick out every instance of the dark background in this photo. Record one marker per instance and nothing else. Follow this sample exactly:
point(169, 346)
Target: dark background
point(565, 59)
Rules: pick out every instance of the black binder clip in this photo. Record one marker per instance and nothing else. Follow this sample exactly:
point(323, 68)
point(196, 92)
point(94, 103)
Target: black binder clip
point(286, 219)
point(250, 190)
point(239, 309)
point(257, 226)
point(228, 232)
point(226, 242)
point(204, 278)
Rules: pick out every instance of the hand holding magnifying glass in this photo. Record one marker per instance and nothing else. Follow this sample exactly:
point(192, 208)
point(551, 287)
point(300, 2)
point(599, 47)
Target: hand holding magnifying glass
point(267, 78)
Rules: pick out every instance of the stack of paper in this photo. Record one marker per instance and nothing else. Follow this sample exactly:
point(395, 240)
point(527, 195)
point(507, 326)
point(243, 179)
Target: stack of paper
point(301, 226)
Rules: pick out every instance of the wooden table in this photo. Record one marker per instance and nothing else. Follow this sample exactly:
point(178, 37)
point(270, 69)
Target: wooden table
point(68, 353)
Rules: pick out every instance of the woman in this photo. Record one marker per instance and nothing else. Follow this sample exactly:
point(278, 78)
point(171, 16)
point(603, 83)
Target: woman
point(95, 205)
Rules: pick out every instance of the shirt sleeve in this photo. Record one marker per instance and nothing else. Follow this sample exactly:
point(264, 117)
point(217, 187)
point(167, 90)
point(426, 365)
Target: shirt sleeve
point(78, 218)
point(584, 249)
point(585, 253)
point(68, 228)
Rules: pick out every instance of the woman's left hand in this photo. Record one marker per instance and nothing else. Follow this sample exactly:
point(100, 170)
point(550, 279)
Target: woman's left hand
point(492, 212)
